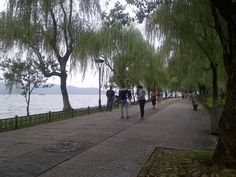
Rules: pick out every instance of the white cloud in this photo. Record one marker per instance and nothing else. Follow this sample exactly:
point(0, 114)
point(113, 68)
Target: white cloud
point(2, 5)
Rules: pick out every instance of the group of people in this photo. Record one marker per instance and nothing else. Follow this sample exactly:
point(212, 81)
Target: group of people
point(156, 96)
point(125, 97)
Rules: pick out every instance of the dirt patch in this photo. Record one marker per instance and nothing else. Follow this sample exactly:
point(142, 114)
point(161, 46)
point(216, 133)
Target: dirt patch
point(68, 146)
point(183, 163)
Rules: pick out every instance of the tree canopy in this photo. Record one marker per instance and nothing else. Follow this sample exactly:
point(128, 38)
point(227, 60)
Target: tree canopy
point(52, 30)
point(23, 75)
point(214, 35)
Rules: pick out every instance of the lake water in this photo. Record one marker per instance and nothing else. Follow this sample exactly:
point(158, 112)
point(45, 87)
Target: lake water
point(11, 105)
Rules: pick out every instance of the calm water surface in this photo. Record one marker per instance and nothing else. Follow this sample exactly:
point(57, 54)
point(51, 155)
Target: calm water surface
point(11, 105)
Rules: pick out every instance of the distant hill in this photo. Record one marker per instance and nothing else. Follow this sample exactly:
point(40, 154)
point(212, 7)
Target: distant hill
point(55, 90)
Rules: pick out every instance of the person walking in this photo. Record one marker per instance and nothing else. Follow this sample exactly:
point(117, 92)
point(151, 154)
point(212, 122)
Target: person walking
point(124, 94)
point(110, 98)
point(153, 99)
point(159, 97)
point(141, 99)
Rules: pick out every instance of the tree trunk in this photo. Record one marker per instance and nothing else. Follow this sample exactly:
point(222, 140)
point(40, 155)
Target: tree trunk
point(225, 151)
point(65, 97)
point(133, 94)
point(27, 109)
point(214, 83)
point(202, 91)
point(27, 99)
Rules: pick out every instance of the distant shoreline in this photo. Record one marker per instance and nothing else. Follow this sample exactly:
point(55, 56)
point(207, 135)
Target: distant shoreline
point(42, 94)
point(55, 89)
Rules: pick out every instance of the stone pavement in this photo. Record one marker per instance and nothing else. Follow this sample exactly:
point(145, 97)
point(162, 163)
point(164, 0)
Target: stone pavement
point(103, 144)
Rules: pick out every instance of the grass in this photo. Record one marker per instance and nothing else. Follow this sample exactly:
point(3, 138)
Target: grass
point(183, 163)
point(209, 101)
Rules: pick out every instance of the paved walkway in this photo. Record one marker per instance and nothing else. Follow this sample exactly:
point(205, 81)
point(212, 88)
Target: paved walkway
point(102, 144)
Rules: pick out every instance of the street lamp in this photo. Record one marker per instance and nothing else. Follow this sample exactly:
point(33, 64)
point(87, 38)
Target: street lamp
point(99, 61)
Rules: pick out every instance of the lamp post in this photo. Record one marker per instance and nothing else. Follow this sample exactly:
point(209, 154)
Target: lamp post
point(99, 61)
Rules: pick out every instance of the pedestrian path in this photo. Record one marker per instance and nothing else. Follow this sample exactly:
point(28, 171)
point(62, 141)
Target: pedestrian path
point(102, 144)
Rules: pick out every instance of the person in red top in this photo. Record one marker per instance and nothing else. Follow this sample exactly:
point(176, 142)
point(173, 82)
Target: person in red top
point(153, 99)
point(159, 95)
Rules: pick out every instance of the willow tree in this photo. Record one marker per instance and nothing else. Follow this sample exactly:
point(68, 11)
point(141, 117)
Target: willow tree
point(135, 52)
point(224, 14)
point(24, 75)
point(225, 21)
point(154, 71)
point(193, 28)
point(188, 70)
point(104, 43)
point(128, 55)
point(52, 30)
point(122, 48)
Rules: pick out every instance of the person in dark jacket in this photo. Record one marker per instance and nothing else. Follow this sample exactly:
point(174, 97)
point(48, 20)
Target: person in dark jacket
point(124, 94)
point(110, 98)
point(141, 99)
